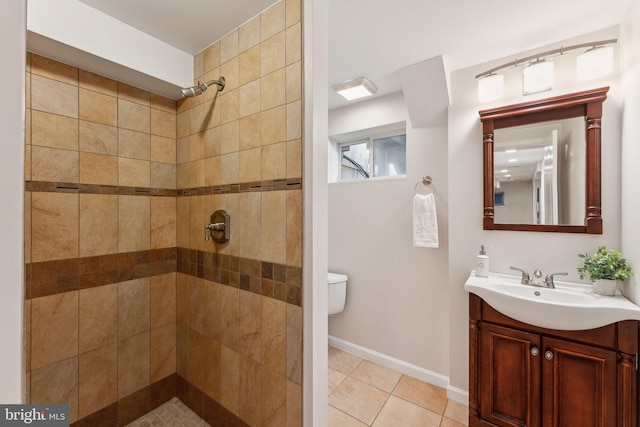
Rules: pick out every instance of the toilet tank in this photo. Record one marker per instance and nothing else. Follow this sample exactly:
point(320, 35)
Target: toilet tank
point(337, 284)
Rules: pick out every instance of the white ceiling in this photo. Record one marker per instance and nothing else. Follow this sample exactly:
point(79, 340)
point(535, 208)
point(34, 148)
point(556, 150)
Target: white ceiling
point(376, 38)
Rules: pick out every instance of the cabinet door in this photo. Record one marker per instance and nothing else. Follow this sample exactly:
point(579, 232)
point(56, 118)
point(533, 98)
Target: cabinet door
point(579, 385)
point(509, 377)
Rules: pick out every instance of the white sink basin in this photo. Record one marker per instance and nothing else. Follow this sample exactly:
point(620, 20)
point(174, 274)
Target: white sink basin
point(570, 306)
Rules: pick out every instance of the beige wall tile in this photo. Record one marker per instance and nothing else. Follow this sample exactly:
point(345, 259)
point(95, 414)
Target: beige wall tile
point(182, 227)
point(54, 328)
point(212, 374)
point(196, 222)
point(273, 401)
point(134, 298)
point(98, 169)
point(163, 175)
point(196, 359)
point(250, 165)
point(229, 70)
point(212, 170)
point(294, 228)
point(273, 126)
point(55, 70)
point(57, 384)
point(249, 236)
point(163, 300)
point(212, 310)
point(182, 300)
point(250, 132)
point(230, 379)
point(272, 20)
point(182, 150)
point(212, 143)
point(250, 308)
point(211, 57)
point(196, 304)
point(27, 123)
point(249, 34)
point(52, 130)
point(294, 44)
point(98, 379)
point(27, 226)
point(98, 224)
point(134, 173)
point(163, 222)
point(182, 124)
point(182, 350)
point(55, 221)
point(229, 46)
point(163, 123)
point(249, 98)
point(292, 12)
point(133, 94)
point(294, 343)
point(229, 106)
point(197, 119)
point(274, 161)
point(230, 312)
point(133, 364)
point(98, 138)
point(273, 89)
point(250, 391)
point(294, 404)
point(196, 146)
point(273, 228)
point(98, 83)
point(27, 337)
point(272, 54)
point(294, 158)
point(163, 103)
point(134, 145)
point(293, 80)
point(27, 90)
point(96, 107)
point(27, 162)
point(230, 137)
point(230, 168)
point(133, 223)
point(163, 149)
point(54, 165)
point(274, 317)
point(163, 352)
point(249, 65)
point(195, 174)
point(52, 96)
point(134, 116)
point(98, 317)
point(294, 120)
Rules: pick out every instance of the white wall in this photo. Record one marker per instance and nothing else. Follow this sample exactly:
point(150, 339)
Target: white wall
point(630, 42)
point(396, 294)
point(529, 250)
point(12, 117)
point(518, 203)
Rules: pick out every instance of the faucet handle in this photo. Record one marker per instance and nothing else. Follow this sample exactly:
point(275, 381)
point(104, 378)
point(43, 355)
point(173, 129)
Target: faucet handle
point(525, 276)
point(548, 279)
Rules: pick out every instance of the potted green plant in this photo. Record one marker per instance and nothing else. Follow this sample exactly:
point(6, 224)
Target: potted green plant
point(605, 269)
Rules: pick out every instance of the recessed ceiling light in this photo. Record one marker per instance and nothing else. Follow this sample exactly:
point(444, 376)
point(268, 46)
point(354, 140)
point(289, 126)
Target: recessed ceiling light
point(512, 150)
point(504, 170)
point(507, 175)
point(512, 160)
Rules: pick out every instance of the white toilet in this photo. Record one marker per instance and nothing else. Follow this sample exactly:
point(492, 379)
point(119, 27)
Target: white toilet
point(337, 292)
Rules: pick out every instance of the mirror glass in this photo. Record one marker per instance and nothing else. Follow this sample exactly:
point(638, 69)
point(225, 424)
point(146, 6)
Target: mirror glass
point(539, 173)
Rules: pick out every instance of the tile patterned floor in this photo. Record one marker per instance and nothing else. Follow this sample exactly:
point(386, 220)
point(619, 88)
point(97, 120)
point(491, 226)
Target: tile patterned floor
point(174, 413)
point(362, 393)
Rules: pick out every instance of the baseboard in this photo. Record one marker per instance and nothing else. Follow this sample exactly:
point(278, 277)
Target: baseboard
point(406, 368)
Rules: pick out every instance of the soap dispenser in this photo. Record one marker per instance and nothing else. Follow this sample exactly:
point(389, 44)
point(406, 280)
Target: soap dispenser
point(482, 263)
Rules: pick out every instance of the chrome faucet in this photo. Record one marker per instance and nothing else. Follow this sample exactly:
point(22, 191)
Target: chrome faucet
point(537, 280)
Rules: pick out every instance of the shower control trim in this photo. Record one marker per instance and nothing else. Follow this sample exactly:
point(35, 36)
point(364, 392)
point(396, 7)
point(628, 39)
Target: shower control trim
point(219, 228)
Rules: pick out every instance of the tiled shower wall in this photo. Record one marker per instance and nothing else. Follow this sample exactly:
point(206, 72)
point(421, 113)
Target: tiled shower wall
point(126, 303)
point(239, 303)
point(100, 245)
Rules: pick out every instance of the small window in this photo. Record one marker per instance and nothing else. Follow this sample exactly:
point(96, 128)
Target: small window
point(373, 156)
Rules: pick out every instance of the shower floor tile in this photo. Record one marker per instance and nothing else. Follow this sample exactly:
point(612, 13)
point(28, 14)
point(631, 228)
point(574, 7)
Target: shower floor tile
point(174, 413)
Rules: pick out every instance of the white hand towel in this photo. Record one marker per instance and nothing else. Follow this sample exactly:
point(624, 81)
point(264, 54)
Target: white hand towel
point(425, 222)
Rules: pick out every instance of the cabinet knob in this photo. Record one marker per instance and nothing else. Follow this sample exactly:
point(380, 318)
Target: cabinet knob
point(548, 355)
point(535, 351)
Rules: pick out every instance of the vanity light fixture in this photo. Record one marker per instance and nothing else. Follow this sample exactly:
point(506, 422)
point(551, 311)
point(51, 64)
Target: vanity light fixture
point(356, 88)
point(537, 77)
point(596, 62)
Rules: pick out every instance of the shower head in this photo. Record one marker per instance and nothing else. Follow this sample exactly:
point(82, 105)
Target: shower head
point(201, 87)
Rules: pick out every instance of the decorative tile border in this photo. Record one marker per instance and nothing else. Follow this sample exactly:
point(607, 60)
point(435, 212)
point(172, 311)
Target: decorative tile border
point(278, 281)
point(244, 187)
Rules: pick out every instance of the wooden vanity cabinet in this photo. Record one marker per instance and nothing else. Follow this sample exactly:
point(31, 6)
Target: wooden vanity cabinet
point(525, 376)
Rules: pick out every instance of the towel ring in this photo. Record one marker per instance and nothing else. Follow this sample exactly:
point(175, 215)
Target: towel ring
point(426, 181)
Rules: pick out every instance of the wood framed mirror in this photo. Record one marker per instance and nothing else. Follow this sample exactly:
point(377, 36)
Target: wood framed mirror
point(542, 164)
